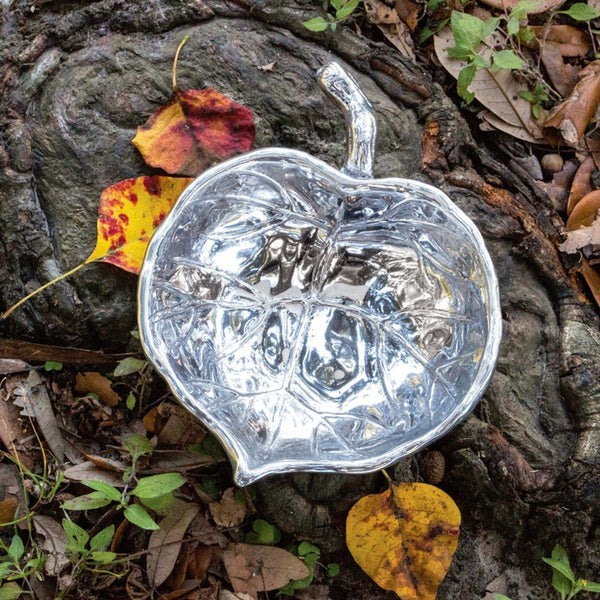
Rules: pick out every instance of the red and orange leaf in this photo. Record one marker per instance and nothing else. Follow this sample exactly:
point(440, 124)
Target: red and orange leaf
point(196, 129)
point(128, 213)
point(405, 538)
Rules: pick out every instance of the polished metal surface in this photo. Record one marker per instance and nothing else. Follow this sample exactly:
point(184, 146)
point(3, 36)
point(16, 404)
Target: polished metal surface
point(318, 320)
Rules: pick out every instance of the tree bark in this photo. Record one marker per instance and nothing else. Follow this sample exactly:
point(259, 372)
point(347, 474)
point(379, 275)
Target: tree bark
point(79, 77)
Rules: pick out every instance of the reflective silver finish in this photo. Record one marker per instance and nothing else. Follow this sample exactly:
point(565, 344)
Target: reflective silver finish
point(317, 320)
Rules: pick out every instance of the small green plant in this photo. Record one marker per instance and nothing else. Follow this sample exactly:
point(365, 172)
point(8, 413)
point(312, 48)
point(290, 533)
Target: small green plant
point(263, 533)
point(15, 565)
point(309, 554)
point(154, 492)
point(535, 98)
point(469, 32)
point(563, 578)
point(342, 9)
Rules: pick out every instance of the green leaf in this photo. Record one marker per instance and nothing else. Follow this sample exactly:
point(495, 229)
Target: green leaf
point(347, 9)
point(467, 30)
point(527, 95)
point(501, 597)
point(51, 365)
point(129, 365)
point(590, 586)
point(465, 77)
point(5, 568)
point(536, 110)
point(337, 4)
point(77, 535)
point(16, 548)
point(103, 538)
point(103, 558)
point(479, 62)
point(137, 515)
point(107, 490)
point(137, 445)
point(158, 485)
point(161, 505)
point(433, 4)
point(87, 502)
point(521, 10)
point(460, 53)
point(512, 26)
point(10, 591)
point(560, 567)
point(581, 11)
point(526, 34)
point(333, 570)
point(316, 24)
point(263, 533)
point(507, 59)
point(306, 550)
point(489, 26)
point(130, 402)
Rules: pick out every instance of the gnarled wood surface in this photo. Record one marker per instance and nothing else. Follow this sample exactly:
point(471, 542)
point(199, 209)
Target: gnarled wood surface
point(78, 77)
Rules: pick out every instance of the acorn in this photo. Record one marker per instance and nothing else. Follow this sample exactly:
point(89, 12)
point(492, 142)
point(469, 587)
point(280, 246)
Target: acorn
point(552, 163)
point(432, 466)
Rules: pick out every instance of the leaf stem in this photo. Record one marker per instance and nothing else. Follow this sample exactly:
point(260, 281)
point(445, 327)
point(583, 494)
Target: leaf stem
point(8, 312)
point(181, 45)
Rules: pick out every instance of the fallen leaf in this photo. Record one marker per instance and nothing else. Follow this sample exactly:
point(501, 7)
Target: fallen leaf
point(404, 538)
point(32, 397)
point(592, 278)
point(88, 471)
point(92, 382)
point(541, 7)
point(13, 365)
point(582, 183)
point(8, 508)
point(128, 213)
point(253, 569)
point(496, 90)
point(558, 188)
point(198, 561)
point(569, 40)
point(582, 237)
point(181, 430)
point(571, 116)
point(54, 543)
point(387, 20)
point(228, 512)
point(490, 122)
point(194, 130)
point(408, 12)
point(166, 461)
point(205, 532)
point(15, 433)
point(585, 212)
point(165, 543)
point(227, 595)
point(563, 75)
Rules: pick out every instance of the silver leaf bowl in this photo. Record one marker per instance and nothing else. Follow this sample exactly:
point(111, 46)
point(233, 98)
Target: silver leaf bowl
point(318, 319)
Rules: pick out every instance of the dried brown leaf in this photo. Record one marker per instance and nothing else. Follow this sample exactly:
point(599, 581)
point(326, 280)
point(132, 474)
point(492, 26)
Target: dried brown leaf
point(205, 532)
point(8, 508)
point(227, 595)
point(15, 432)
point(92, 382)
point(199, 560)
point(167, 461)
point(584, 214)
point(592, 278)
point(572, 115)
point(387, 20)
point(253, 569)
point(165, 543)
point(13, 365)
point(408, 12)
point(87, 471)
point(228, 512)
point(582, 183)
point(568, 40)
point(582, 237)
point(562, 75)
point(54, 543)
point(32, 397)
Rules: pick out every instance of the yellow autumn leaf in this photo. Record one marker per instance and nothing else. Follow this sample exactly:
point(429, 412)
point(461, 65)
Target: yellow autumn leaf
point(128, 213)
point(404, 538)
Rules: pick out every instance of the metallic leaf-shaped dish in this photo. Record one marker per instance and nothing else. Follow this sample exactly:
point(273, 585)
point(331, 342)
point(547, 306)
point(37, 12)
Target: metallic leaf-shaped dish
point(317, 319)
